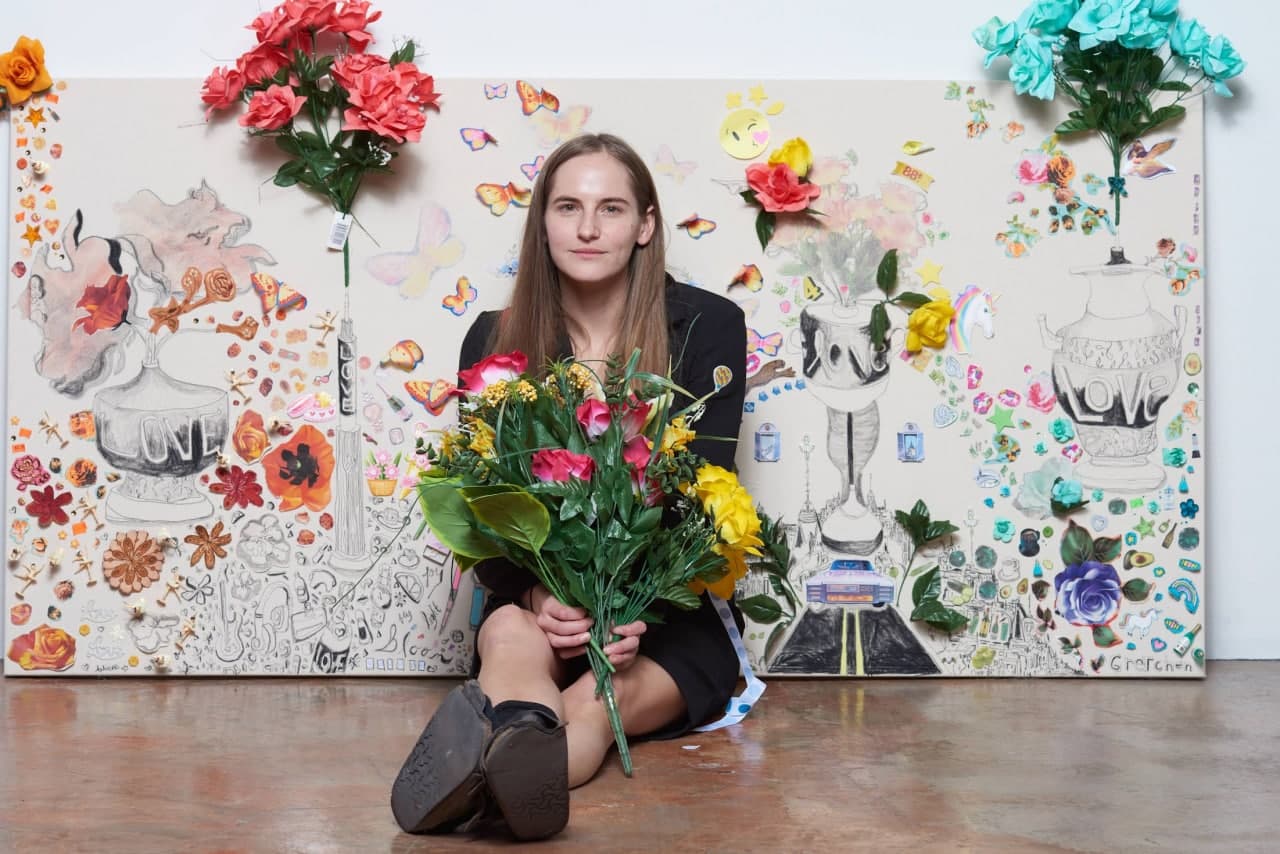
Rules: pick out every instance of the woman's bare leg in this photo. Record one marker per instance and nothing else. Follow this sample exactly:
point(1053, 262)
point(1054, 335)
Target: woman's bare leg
point(517, 662)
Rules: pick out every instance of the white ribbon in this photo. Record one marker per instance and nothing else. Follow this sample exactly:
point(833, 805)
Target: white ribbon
point(738, 706)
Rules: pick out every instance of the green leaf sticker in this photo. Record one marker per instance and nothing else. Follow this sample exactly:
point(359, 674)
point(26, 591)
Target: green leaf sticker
point(983, 656)
point(1103, 637)
point(1077, 545)
point(887, 272)
point(927, 586)
point(1106, 549)
point(1137, 589)
point(760, 608)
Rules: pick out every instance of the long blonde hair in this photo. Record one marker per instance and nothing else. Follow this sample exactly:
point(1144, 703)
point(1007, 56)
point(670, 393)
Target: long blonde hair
point(534, 322)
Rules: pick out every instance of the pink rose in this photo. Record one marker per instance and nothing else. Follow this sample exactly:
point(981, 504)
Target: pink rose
point(778, 189)
point(594, 417)
point(272, 108)
point(348, 68)
point(491, 369)
point(632, 417)
point(353, 21)
point(558, 466)
point(221, 89)
point(274, 26)
point(261, 63)
point(381, 102)
point(635, 452)
point(1034, 169)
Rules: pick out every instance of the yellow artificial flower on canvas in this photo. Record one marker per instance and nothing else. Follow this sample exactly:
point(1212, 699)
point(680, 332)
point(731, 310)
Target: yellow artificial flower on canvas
point(927, 326)
point(795, 153)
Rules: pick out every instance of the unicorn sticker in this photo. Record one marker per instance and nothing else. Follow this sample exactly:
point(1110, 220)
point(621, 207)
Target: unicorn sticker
point(974, 307)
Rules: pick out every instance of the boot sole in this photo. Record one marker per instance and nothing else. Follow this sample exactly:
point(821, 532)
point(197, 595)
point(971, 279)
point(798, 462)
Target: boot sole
point(527, 770)
point(440, 783)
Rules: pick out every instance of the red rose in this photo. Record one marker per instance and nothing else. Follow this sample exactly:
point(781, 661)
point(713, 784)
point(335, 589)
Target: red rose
point(382, 101)
point(594, 417)
point(632, 417)
point(221, 89)
point(273, 108)
point(558, 466)
point(636, 452)
point(353, 21)
point(347, 69)
point(491, 369)
point(778, 189)
point(43, 648)
point(106, 305)
point(261, 63)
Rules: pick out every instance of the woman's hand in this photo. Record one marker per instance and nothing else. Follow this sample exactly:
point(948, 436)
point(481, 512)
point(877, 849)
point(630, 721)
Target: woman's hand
point(622, 652)
point(565, 627)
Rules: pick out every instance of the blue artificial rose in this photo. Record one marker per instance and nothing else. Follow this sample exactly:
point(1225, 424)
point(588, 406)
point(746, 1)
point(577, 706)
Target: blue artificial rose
point(1032, 68)
point(1146, 30)
point(1088, 593)
point(1035, 491)
point(996, 38)
point(1188, 39)
point(1220, 61)
point(1049, 17)
point(1068, 492)
point(1004, 530)
point(1101, 21)
point(1061, 430)
point(1165, 11)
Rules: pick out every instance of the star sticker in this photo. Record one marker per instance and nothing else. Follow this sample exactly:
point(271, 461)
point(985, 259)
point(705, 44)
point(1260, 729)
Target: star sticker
point(756, 95)
point(1001, 418)
point(1144, 527)
point(928, 273)
point(733, 100)
point(31, 235)
point(36, 115)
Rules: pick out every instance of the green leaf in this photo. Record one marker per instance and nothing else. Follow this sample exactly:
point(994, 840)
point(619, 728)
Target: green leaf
point(1106, 549)
point(1173, 86)
point(761, 608)
point(404, 53)
point(289, 173)
point(879, 326)
point(938, 528)
point(452, 521)
point(1162, 115)
point(749, 196)
point(934, 613)
point(288, 145)
point(887, 272)
point(514, 516)
point(919, 569)
point(1077, 545)
point(682, 597)
point(1136, 589)
point(911, 299)
point(1073, 126)
point(927, 586)
point(312, 142)
point(765, 224)
point(1103, 637)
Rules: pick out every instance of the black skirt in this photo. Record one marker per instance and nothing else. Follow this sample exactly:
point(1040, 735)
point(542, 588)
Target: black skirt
point(692, 646)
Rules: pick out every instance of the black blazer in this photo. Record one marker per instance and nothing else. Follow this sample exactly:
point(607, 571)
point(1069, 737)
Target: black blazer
point(705, 330)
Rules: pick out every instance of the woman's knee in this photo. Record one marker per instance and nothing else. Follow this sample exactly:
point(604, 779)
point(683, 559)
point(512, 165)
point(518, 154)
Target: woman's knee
point(511, 630)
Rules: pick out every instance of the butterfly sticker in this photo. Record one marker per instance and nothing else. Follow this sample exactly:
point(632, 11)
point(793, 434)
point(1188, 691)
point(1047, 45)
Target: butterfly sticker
point(768, 344)
point(696, 226)
point(532, 98)
point(434, 249)
point(750, 277)
point(531, 170)
point(459, 302)
point(477, 138)
point(495, 90)
point(434, 395)
point(498, 198)
point(276, 296)
point(811, 290)
point(676, 170)
point(553, 130)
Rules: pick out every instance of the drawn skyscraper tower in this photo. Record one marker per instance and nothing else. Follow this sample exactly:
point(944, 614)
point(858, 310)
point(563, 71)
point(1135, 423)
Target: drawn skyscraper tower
point(349, 550)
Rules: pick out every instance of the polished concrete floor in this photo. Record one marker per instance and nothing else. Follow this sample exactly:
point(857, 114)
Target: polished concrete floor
point(885, 765)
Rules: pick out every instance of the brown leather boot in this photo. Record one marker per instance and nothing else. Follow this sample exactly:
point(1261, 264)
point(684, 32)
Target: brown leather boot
point(526, 767)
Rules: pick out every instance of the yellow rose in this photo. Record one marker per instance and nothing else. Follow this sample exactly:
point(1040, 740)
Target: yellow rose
point(482, 437)
point(22, 70)
point(795, 153)
point(676, 436)
point(723, 586)
point(738, 524)
point(927, 326)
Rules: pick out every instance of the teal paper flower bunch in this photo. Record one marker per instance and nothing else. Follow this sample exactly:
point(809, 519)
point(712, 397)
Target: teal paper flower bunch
point(1111, 57)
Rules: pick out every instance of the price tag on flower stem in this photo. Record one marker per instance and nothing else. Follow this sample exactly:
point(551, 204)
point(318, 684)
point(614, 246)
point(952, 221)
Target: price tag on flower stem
point(339, 230)
point(740, 705)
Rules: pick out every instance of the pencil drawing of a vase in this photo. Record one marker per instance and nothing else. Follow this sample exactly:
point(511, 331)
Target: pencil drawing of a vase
point(1113, 369)
point(848, 375)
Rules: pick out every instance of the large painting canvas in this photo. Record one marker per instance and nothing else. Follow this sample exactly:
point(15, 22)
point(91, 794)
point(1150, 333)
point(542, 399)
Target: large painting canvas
point(211, 445)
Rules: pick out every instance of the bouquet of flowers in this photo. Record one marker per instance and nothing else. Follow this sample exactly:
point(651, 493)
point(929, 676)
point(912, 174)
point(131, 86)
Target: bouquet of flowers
point(569, 476)
point(312, 60)
point(1111, 57)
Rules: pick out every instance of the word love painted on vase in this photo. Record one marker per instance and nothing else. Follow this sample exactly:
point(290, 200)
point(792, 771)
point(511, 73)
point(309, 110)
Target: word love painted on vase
point(1125, 398)
point(169, 443)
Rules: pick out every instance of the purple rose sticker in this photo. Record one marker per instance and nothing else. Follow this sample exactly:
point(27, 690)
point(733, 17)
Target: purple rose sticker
point(1088, 593)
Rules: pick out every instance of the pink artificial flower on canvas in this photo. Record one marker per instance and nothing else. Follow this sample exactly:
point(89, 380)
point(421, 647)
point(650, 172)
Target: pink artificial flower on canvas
point(1034, 168)
point(594, 417)
point(221, 89)
point(272, 108)
point(557, 465)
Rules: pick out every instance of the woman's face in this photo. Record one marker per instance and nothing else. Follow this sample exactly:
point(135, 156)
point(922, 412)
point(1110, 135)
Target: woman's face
point(593, 221)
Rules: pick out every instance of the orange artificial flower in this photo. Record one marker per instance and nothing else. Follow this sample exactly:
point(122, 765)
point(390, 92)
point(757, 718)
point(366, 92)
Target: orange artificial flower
point(299, 472)
point(250, 437)
point(22, 71)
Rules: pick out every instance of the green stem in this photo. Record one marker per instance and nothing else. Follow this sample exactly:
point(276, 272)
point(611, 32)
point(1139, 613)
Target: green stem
point(346, 264)
point(906, 574)
point(598, 663)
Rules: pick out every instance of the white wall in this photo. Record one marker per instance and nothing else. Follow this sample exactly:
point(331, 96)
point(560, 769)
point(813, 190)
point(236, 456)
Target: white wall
point(753, 40)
